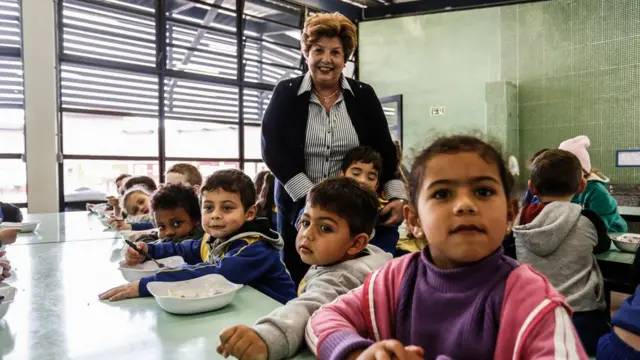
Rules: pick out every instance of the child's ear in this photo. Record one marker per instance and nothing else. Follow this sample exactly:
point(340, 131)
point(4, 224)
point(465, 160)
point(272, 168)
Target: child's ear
point(250, 214)
point(582, 186)
point(360, 242)
point(196, 188)
point(413, 221)
point(532, 188)
point(513, 207)
point(341, 173)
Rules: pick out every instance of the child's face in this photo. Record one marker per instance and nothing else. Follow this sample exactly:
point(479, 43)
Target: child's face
point(223, 214)
point(174, 223)
point(137, 204)
point(461, 209)
point(364, 174)
point(324, 238)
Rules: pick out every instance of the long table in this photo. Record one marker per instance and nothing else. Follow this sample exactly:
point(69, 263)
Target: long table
point(57, 314)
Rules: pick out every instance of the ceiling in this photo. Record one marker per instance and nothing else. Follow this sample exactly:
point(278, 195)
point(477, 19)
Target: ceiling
point(370, 3)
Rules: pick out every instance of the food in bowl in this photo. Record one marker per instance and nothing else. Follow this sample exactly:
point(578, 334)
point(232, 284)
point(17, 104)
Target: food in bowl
point(191, 294)
point(627, 242)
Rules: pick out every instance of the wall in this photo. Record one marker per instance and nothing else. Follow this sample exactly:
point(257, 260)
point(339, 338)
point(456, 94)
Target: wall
point(433, 61)
point(576, 65)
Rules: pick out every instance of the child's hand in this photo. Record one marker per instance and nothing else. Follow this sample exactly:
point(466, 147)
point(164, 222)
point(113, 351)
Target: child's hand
point(243, 343)
point(113, 201)
point(8, 236)
point(122, 292)
point(5, 267)
point(390, 349)
point(131, 257)
point(120, 226)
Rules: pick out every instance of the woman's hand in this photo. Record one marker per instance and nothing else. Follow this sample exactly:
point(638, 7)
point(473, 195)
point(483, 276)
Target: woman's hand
point(394, 208)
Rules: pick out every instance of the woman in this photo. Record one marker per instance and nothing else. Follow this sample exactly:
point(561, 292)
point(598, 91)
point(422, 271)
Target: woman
point(313, 120)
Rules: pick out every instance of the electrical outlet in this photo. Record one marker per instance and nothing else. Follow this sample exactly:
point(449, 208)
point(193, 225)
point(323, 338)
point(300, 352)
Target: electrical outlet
point(437, 110)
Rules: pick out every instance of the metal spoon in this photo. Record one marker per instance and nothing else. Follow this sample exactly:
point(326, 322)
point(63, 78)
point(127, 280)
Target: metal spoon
point(144, 253)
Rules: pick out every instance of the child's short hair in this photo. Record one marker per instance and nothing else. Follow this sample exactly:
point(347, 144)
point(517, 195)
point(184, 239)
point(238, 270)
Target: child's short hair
point(556, 173)
point(175, 196)
point(122, 177)
point(134, 189)
point(191, 173)
point(145, 181)
point(363, 154)
point(537, 153)
point(452, 145)
point(357, 205)
point(233, 181)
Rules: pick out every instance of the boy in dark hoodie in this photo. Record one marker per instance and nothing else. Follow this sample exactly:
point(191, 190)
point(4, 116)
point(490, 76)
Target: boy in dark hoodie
point(559, 239)
point(236, 245)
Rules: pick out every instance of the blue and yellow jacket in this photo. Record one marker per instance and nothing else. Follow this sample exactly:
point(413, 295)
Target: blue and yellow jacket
point(251, 257)
point(385, 237)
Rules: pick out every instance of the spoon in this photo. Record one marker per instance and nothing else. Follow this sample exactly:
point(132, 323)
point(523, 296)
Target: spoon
point(144, 253)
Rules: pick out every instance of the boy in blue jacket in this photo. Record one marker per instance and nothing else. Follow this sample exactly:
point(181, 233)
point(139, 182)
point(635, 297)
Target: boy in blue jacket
point(364, 165)
point(236, 245)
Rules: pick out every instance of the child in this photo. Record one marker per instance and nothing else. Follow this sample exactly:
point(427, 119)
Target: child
point(185, 174)
point(265, 189)
point(623, 342)
point(460, 297)
point(558, 240)
point(135, 203)
point(114, 202)
point(364, 165)
point(176, 212)
point(134, 223)
point(529, 198)
point(237, 245)
point(595, 197)
point(7, 237)
point(333, 237)
point(145, 181)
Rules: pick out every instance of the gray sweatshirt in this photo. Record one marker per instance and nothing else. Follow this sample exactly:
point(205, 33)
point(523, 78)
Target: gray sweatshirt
point(283, 329)
point(559, 243)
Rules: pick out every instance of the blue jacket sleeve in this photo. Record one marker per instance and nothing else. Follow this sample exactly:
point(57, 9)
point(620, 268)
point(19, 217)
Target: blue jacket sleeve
point(242, 265)
point(139, 226)
point(189, 250)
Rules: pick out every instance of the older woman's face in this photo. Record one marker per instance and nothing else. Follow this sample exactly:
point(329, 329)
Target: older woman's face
point(326, 60)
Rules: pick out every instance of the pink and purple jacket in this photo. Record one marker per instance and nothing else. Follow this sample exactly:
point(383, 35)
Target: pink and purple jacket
point(493, 309)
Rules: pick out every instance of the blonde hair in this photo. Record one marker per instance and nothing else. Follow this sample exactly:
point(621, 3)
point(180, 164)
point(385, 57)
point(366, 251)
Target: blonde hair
point(331, 25)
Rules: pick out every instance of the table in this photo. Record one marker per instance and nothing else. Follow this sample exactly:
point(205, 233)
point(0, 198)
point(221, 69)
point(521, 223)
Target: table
point(57, 314)
point(630, 213)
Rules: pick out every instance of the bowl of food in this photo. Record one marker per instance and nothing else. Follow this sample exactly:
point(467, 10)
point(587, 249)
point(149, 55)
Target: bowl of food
point(147, 268)
point(206, 293)
point(24, 227)
point(627, 242)
point(9, 293)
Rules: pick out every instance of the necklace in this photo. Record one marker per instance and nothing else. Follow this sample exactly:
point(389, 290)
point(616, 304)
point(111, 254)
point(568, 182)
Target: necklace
point(326, 99)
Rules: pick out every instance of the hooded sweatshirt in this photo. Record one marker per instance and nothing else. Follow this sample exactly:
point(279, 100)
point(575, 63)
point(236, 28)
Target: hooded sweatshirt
point(283, 329)
point(595, 197)
point(249, 257)
point(559, 242)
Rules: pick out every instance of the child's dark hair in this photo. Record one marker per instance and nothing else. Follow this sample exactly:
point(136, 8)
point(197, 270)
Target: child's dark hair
point(357, 205)
point(191, 173)
point(265, 190)
point(452, 145)
point(175, 196)
point(233, 181)
point(363, 154)
point(145, 181)
point(122, 177)
point(556, 173)
point(537, 153)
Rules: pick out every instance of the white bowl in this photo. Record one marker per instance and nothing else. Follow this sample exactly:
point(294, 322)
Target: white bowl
point(24, 227)
point(9, 293)
point(627, 242)
point(206, 293)
point(147, 268)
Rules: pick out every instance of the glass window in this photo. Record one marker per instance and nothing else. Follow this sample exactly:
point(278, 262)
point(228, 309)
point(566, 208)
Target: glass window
point(100, 175)
point(252, 138)
point(11, 131)
point(255, 104)
point(193, 100)
point(86, 134)
point(253, 168)
point(13, 182)
point(195, 139)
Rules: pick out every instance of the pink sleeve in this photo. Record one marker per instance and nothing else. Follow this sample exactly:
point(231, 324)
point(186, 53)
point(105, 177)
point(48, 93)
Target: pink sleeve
point(552, 337)
point(343, 316)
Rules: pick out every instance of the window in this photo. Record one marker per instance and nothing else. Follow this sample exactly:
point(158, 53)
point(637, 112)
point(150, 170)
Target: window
point(137, 98)
point(13, 182)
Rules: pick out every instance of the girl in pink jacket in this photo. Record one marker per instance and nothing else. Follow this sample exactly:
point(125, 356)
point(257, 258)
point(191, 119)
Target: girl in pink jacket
point(459, 298)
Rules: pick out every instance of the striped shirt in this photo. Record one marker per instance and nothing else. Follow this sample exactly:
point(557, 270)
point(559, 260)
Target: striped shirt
point(328, 139)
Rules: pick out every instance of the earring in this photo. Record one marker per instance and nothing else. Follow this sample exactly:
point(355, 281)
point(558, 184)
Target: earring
point(508, 229)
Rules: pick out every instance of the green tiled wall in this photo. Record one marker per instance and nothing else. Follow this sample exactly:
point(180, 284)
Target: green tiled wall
point(576, 65)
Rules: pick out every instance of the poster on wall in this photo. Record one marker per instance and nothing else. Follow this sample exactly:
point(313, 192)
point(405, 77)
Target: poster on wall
point(392, 107)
